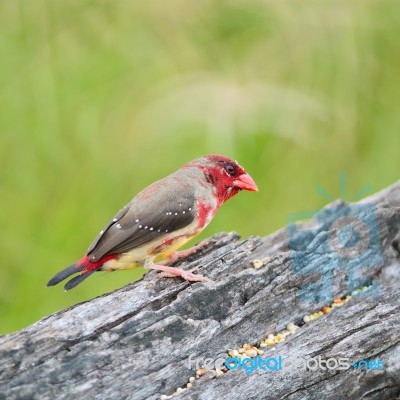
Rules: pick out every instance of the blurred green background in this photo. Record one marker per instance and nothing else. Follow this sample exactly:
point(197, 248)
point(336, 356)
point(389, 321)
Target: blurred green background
point(100, 98)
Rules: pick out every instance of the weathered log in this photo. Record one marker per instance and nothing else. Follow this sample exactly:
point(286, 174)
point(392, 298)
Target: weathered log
point(135, 343)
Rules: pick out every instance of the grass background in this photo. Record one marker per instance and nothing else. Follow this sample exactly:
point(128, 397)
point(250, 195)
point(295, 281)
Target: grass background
point(100, 98)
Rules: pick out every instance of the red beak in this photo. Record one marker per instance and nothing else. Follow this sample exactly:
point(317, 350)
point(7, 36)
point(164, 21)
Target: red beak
point(245, 182)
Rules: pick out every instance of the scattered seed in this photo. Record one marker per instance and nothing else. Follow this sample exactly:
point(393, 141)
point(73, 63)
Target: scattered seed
point(257, 264)
point(252, 353)
point(233, 353)
point(291, 326)
point(271, 340)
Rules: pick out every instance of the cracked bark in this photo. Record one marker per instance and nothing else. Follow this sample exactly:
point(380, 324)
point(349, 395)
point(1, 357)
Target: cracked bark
point(134, 343)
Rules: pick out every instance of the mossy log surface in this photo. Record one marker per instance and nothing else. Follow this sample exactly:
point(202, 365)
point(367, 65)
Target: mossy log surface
point(135, 343)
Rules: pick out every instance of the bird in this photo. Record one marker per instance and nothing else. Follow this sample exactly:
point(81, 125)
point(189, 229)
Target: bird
point(149, 230)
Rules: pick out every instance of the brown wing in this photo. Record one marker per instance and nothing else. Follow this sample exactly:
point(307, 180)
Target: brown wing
point(143, 220)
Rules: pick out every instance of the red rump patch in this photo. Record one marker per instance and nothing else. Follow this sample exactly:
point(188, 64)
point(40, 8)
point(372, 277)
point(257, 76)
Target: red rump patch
point(86, 265)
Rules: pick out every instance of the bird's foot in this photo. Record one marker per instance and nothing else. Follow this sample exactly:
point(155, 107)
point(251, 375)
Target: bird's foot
point(171, 272)
point(171, 275)
point(178, 255)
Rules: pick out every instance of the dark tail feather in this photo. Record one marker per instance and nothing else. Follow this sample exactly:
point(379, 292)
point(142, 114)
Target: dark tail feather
point(84, 266)
point(77, 280)
point(65, 273)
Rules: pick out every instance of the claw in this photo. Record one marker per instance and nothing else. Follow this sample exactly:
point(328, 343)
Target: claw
point(171, 272)
point(188, 276)
point(162, 275)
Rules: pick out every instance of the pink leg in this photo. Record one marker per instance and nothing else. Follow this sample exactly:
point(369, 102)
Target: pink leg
point(171, 272)
point(177, 255)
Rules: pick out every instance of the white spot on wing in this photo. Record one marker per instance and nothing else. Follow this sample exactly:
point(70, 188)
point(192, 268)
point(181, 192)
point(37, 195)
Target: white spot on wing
point(118, 226)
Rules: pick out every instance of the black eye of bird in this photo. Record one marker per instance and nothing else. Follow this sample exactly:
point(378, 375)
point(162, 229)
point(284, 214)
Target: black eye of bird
point(231, 169)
